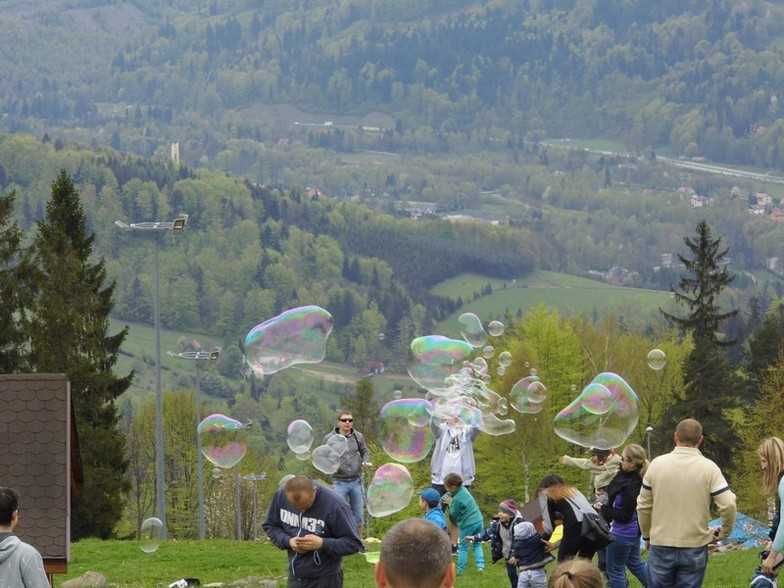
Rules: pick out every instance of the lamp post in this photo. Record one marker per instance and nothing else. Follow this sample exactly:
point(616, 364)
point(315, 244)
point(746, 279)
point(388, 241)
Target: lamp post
point(157, 228)
point(648, 431)
point(199, 357)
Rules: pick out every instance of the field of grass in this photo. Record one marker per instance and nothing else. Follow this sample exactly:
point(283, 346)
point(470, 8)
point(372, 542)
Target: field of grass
point(569, 294)
point(125, 566)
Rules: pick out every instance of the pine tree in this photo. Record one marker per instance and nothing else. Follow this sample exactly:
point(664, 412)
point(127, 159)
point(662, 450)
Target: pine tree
point(68, 334)
point(13, 289)
point(766, 345)
point(363, 407)
point(710, 382)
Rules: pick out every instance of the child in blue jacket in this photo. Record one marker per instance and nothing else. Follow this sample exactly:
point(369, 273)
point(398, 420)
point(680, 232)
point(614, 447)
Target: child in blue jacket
point(430, 502)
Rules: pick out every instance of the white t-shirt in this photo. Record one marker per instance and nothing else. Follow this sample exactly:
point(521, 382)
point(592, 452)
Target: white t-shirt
point(453, 458)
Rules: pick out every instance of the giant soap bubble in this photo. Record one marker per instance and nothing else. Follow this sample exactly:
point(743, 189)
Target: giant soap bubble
point(151, 535)
point(602, 416)
point(224, 440)
point(435, 357)
point(405, 429)
point(299, 436)
point(528, 395)
point(471, 329)
point(298, 335)
point(390, 490)
point(657, 359)
point(338, 444)
point(325, 459)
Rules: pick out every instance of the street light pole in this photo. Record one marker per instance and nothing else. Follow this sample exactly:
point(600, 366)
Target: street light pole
point(199, 357)
point(648, 431)
point(156, 227)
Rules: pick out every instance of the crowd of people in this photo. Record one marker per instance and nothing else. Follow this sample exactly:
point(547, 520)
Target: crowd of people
point(665, 504)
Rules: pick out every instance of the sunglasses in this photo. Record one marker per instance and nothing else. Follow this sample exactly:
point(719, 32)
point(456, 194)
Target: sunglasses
point(346, 420)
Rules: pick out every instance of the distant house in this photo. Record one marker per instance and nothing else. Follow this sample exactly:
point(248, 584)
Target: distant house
point(697, 201)
point(374, 368)
point(416, 209)
point(666, 260)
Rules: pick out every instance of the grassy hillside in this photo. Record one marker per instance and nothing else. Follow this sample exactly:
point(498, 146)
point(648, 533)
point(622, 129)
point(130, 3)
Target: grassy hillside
point(225, 561)
point(569, 294)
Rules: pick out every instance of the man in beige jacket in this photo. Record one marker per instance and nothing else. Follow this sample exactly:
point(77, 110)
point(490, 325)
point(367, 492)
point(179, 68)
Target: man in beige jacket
point(674, 509)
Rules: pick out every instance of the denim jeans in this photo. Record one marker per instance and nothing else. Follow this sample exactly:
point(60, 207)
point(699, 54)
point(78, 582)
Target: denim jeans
point(624, 553)
point(462, 550)
point(511, 571)
point(532, 579)
point(351, 492)
point(677, 567)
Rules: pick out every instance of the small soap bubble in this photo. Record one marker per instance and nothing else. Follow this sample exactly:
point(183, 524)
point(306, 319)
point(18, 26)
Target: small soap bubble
point(151, 535)
point(495, 328)
point(390, 491)
point(471, 329)
point(488, 351)
point(505, 359)
point(434, 358)
point(325, 459)
point(405, 432)
point(500, 371)
point(397, 394)
point(657, 359)
point(528, 395)
point(338, 443)
point(224, 440)
point(299, 436)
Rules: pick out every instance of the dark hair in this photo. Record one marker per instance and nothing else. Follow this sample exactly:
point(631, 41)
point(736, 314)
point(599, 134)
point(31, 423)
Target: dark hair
point(299, 484)
point(453, 480)
point(342, 412)
point(9, 504)
point(549, 481)
point(601, 453)
point(415, 554)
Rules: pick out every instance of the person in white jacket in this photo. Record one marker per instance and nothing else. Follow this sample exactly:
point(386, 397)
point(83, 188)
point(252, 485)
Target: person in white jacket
point(21, 566)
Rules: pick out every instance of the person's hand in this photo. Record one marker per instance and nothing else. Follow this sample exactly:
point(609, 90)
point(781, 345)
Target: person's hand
point(367, 464)
point(716, 532)
point(446, 499)
point(295, 545)
point(549, 546)
point(769, 563)
point(470, 538)
point(311, 542)
point(512, 561)
point(562, 460)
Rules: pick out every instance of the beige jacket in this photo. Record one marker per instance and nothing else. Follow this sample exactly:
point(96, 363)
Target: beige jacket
point(601, 475)
point(674, 504)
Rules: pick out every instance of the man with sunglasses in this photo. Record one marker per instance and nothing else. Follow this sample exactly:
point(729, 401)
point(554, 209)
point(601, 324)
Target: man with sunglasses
point(347, 480)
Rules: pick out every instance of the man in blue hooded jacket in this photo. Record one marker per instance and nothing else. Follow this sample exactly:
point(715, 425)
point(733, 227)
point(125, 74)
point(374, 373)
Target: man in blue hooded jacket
point(317, 528)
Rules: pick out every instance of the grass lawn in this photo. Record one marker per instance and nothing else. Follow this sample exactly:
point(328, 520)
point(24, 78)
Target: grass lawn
point(568, 294)
point(124, 565)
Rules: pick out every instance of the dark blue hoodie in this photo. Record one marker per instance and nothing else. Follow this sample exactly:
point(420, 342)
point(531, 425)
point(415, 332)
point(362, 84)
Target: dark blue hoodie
point(329, 517)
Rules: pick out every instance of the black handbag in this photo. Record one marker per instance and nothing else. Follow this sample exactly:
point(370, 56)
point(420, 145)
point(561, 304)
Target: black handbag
point(596, 530)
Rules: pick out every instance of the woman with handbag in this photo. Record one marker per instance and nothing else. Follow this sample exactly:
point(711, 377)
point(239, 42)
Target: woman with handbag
point(581, 537)
point(621, 509)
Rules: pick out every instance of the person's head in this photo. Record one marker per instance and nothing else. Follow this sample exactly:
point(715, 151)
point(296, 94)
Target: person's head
point(577, 573)
point(345, 422)
point(771, 456)
point(688, 433)
point(415, 554)
point(599, 456)
point(634, 459)
point(555, 488)
point(300, 492)
point(429, 498)
point(507, 510)
point(452, 482)
point(9, 508)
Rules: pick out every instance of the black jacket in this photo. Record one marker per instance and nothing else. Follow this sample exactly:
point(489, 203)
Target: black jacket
point(328, 517)
point(627, 485)
point(530, 551)
point(493, 534)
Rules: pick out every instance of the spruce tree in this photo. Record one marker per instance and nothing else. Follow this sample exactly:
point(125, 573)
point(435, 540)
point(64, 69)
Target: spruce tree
point(14, 272)
point(69, 334)
point(710, 384)
point(363, 407)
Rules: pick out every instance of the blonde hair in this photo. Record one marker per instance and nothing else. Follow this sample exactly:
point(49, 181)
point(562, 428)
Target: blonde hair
point(772, 450)
point(577, 573)
point(638, 456)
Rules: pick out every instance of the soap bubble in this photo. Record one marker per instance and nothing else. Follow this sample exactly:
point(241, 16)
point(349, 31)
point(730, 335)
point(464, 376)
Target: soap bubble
point(528, 395)
point(480, 365)
point(492, 425)
point(657, 359)
point(500, 371)
point(224, 440)
point(457, 412)
point(503, 407)
point(325, 459)
point(381, 336)
point(488, 351)
point(217, 473)
point(151, 535)
point(338, 443)
point(390, 491)
point(435, 357)
point(299, 436)
point(298, 335)
point(471, 329)
point(285, 479)
point(397, 394)
point(495, 328)
point(602, 416)
point(505, 359)
point(303, 456)
point(405, 432)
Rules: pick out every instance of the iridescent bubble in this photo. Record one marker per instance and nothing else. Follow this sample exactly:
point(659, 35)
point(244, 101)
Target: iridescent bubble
point(151, 535)
point(459, 411)
point(299, 436)
point(500, 371)
point(390, 491)
point(657, 359)
point(224, 440)
point(495, 328)
point(503, 407)
point(528, 395)
point(338, 443)
point(492, 425)
point(325, 459)
point(471, 329)
point(405, 432)
point(381, 336)
point(285, 479)
point(434, 358)
point(306, 456)
point(596, 420)
point(505, 359)
point(397, 394)
point(298, 335)
point(488, 351)
point(480, 365)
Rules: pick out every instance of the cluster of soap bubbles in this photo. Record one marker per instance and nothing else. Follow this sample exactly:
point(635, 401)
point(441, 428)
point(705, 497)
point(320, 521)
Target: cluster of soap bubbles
point(224, 440)
point(528, 395)
point(151, 534)
point(299, 436)
point(657, 359)
point(326, 458)
point(472, 330)
point(602, 416)
point(298, 335)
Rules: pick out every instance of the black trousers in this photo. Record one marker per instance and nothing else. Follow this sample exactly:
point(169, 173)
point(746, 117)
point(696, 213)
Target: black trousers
point(334, 581)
